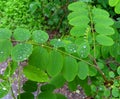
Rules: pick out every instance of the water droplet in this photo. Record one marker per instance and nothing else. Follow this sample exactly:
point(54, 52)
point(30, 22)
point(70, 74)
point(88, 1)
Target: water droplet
point(25, 58)
point(78, 91)
point(4, 88)
point(20, 57)
point(42, 40)
point(84, 46)
point(81, 55)
point(1, 52)
point(74, 50)
point(59, 39)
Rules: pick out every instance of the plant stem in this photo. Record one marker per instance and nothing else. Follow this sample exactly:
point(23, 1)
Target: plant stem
point(12, 93)
point(65, 53)
point(92, 29)
point(19, 77)
point(100, 71)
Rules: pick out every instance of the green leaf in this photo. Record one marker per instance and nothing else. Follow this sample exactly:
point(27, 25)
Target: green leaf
point(118, 70)
point(57, 43)
point(107, 93)
point(30, 86)
point(83, 70)
point(34, 6)
point(55, 63)
point(21, 34)
point(21, 52)
point(117, 8)
point(73, 85)
point(70, 69)
point(92, 71)
point(60, 96)
point(4, 88)
point(35, 74)
point(24, 95)
point(104, 30)
point(47, 95)
point(77, 6)
point(11, 68)
point(111, 74)
point(105, 51)
point(113, 66)
point(5, 49)
point(112, 3)
point(103, 20)
point(39, 36)
point(47, 88)
point(58, 81)
point(114, 53)
point(82, 12)
point(5, 33)
point(71, 48)
point(83, 50)
point(78, 31)
point(100, 12)
point(101, 65)
point(96, 53)
point(77, 21)
point(39, 58)
point(104, 40)
point(115, 92)
point(93, 88)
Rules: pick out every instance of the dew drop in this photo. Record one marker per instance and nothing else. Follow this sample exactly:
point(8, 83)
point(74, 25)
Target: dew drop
point(78, 91)
point(1, 52)
point(81, 55)
point(84, 46)
point(74, 50)
point(4, 88)
point(20, 57)
point(59, 39)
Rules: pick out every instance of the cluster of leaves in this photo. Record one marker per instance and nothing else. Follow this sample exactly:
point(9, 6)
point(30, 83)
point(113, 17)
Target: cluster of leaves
point(34, 14)
point(86, 57)
point(16, 14)
point(54, 13)
point(116, 4)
